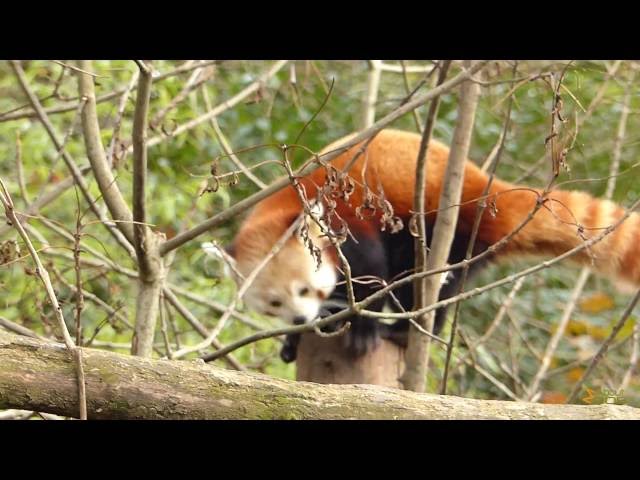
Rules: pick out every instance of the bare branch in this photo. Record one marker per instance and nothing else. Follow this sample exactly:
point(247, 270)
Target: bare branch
point(201, 329)
point(477, 291)
point(76, 69)
point(224, 143)
point(602, 351)
point(150, 264)
point(163, 389)
point(387, 67)
point(557, 336)
point(586, 271)
point(407, 87)
point(42, 273)
point(419, 197)
point(617, 144)
point(224, 106)
point(197, 79)
point(414, 377)
point(480, 208)
point(95, 151)
point(373, 86)
point(633, 359)
point(19, 329)
point(140, 168)
point(186, 67)
point(20, 170)
point(249, 202)
point(45, 199)
point(240, 293)
point(71, 165)
point(119, 116)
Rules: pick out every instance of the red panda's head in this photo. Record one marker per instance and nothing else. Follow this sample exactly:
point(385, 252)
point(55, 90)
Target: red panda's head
point(290, 286)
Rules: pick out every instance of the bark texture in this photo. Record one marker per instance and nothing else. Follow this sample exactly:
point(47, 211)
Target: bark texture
point(38, 375)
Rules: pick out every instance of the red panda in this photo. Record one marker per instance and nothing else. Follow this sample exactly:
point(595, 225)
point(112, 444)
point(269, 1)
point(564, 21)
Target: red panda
point(292, 288)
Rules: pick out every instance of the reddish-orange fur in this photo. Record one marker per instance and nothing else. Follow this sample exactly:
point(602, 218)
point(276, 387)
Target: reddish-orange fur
point(390, 161)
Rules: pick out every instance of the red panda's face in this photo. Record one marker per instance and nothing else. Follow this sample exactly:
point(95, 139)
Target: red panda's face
point(290, 286)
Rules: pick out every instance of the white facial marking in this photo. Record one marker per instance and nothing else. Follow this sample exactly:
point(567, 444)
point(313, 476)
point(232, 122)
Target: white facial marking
point(295, 294)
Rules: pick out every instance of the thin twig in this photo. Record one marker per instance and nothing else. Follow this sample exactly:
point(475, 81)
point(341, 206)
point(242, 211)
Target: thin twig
point(45, 198)
point(560, 329)
point(20, 170)
point(71, 165)
point(419, 198)
point(417, 354)
point(602, 351)
point(224, 143)
point(633, 359)
point(502, 311)
point(373, 86)
point(480, 208)
point(240, 293)
point(224, 106)
point(197, 79)
point(194, 322)
point(16, 115)
point(76, 69)
point(19, 329)
point(249, 202)
point(119, 116)
point(477, 291)
point(163, 327)
point(42, 273)
point(407, 87)
point(387, 67)
point(617, 144)
point(77, 236)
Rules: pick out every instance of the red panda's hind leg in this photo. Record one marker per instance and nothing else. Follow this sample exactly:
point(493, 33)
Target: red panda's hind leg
point(401, 256)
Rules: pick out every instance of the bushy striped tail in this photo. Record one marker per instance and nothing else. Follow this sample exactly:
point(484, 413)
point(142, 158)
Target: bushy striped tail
point(566, 220)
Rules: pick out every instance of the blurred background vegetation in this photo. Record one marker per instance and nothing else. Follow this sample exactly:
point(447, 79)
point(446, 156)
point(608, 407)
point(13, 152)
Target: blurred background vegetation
point(180, 168)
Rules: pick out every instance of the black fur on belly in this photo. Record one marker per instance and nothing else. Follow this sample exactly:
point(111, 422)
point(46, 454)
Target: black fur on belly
point(390, 257)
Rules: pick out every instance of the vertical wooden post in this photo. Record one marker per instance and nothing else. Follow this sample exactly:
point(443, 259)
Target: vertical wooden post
point(325, 360)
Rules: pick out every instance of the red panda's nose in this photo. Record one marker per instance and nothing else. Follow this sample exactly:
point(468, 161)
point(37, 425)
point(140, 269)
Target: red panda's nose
point(299, 320)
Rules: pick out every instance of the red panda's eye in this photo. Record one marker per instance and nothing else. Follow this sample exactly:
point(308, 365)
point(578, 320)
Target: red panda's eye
point(276, 303)
point(303, 291)
point(321, 295)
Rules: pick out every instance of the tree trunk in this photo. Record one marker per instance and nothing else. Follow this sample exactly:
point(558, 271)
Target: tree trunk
point(40, 376)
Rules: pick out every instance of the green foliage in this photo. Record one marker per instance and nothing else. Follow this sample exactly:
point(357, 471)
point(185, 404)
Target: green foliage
point(179, 167)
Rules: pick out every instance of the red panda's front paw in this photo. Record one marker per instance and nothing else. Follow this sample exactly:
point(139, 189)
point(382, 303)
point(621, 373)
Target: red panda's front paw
point(289, 350)
point(288, 354)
